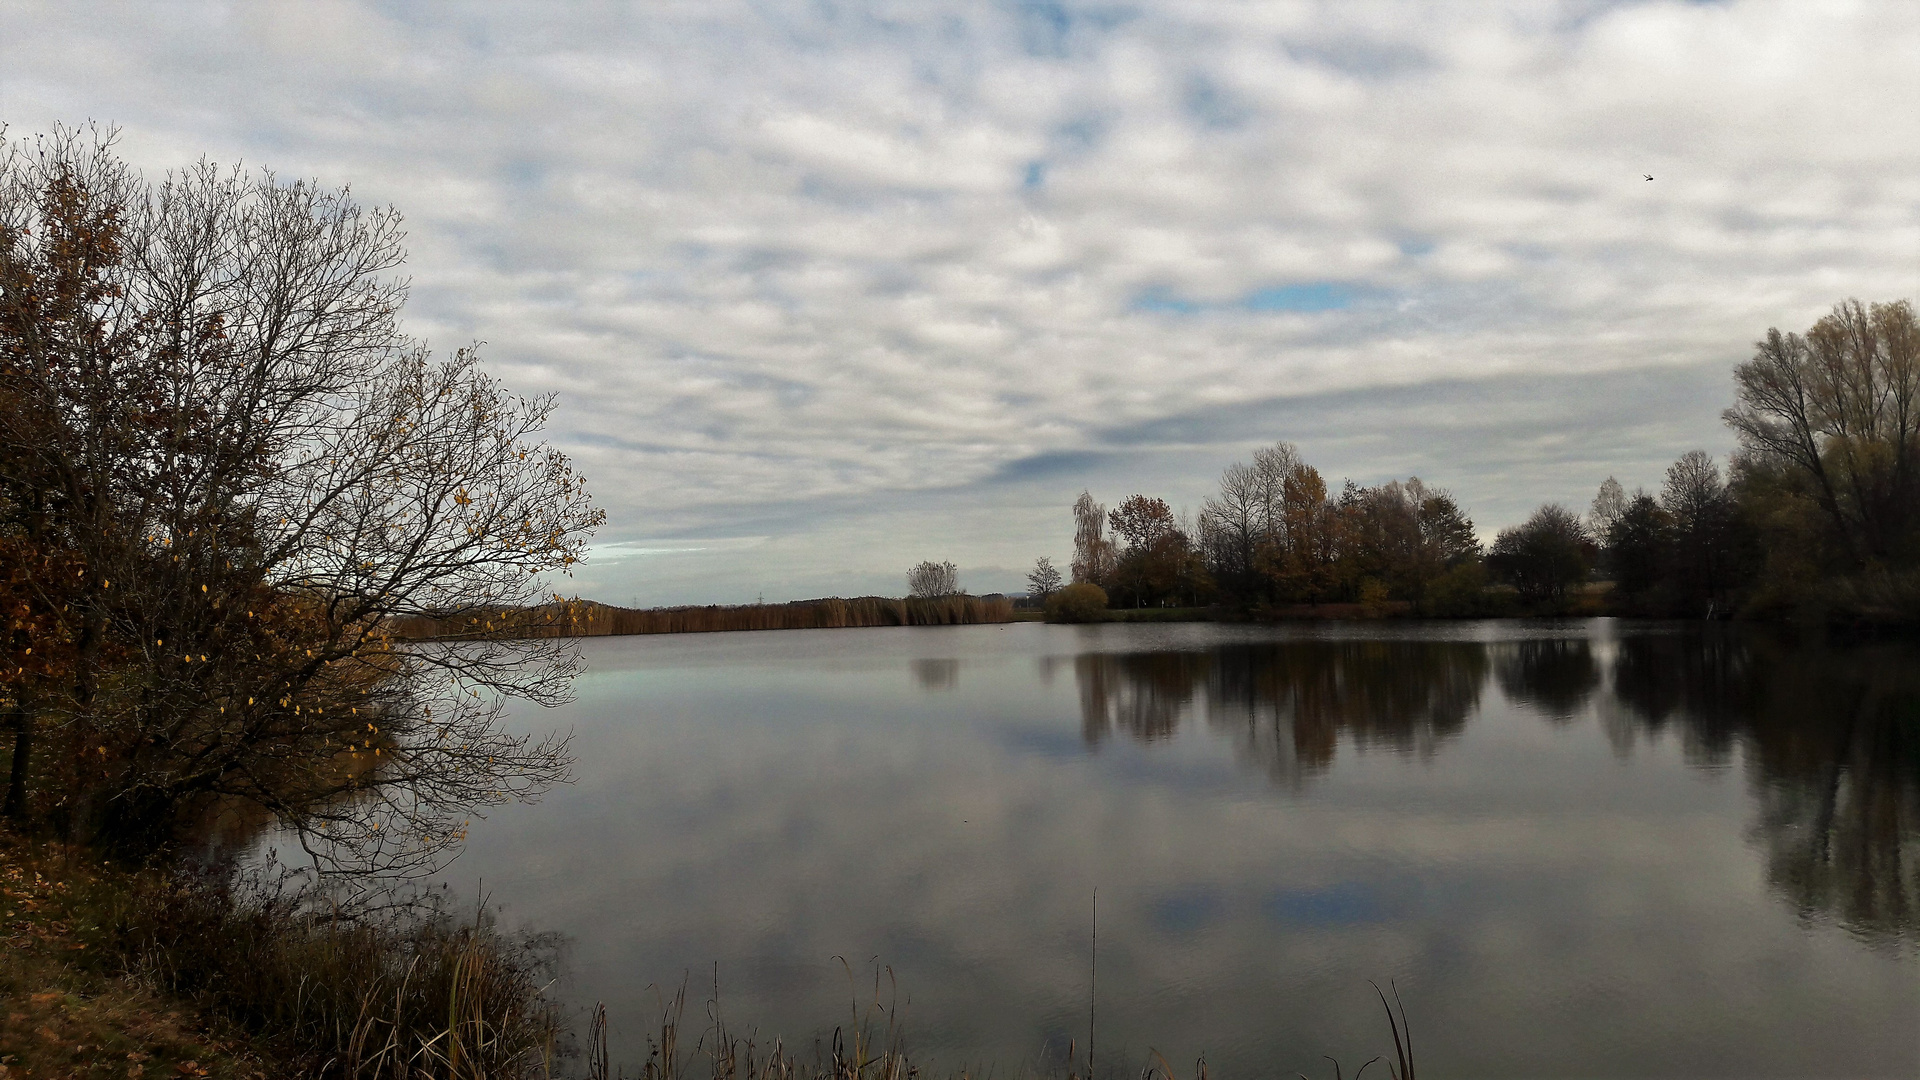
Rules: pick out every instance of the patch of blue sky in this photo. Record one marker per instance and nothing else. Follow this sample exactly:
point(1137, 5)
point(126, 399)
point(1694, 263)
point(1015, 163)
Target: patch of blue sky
point(1307, 297)
point(524, 174)
point(1161, 298)
point(1054, 29)
point(1080, 134)
point(1213, 107)
point(1036, 175)
point(1044, 26)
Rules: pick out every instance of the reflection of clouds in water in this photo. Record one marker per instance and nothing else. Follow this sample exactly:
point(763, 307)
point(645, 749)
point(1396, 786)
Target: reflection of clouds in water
point(1187, 910)
point(1344, 904)
point(796, 809)
point(935, 674)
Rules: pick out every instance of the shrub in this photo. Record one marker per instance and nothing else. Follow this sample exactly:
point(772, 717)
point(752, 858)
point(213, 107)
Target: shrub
point(412, 993)
point(1460, 593)
point(1080, 602)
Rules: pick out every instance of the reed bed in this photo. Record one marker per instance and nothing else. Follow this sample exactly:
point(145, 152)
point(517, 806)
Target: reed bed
point(405, 998)
point(411, 993)
point(588, 619)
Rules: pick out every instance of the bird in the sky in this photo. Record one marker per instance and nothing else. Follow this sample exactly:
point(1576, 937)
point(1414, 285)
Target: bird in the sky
point(1649, 176)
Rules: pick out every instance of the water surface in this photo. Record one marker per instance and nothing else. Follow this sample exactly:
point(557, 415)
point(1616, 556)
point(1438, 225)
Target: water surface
point(1578, 848)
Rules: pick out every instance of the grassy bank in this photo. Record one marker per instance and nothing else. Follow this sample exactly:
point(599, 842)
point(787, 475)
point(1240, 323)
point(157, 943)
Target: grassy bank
point(125, 972)
point(588, 619)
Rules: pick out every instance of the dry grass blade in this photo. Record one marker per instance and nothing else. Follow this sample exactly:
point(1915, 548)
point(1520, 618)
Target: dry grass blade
point(1402, 1048)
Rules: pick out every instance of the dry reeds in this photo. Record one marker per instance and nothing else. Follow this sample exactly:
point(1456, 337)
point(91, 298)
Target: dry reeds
point(588, 619)
point(413, 996)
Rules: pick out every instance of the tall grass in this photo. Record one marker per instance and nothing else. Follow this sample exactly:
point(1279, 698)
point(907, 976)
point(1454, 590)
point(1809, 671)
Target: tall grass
point(588, 619)
point(414, 995)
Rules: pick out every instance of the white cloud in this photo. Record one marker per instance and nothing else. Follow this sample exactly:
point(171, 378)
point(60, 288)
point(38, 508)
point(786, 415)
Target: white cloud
point(834, 268)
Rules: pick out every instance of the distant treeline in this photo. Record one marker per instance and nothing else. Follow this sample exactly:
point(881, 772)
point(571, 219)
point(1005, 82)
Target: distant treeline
point(1816, 516)
point(588, 619)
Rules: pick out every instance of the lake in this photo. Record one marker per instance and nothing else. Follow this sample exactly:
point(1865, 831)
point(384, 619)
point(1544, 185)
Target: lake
point(1576, 847)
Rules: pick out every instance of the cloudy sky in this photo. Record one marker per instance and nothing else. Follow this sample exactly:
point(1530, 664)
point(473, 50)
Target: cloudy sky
point(825, 288)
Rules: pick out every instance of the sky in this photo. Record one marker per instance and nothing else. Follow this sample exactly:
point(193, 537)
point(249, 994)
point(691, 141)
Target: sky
point(827, 288)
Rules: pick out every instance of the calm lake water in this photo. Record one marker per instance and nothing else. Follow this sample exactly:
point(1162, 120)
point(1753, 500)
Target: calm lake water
point(1578, 848)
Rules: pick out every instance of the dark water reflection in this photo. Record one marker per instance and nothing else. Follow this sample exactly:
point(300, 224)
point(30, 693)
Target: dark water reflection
point(1288, 704)
point(1834, 731)
point(1580, 848)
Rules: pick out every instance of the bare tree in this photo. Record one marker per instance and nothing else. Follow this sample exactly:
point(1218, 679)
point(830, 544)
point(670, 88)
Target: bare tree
point(1043, 579)
point(1701, 528)
point(1232, 522)
point(1608, 504)
point(1249, 512)
point(213, 411)
point(1693, 489)
point(930, 579)
point(1273, 466)
point(1840, 408)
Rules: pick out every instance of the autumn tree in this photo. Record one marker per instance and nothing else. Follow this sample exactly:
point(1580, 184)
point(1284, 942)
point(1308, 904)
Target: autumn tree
point(1837, 410)
point(213, 413)
point(1157, 561)
point(1299, 558)
point(1404, 535)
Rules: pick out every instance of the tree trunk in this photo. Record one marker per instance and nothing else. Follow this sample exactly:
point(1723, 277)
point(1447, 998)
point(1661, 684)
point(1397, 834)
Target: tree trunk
point(16, 805)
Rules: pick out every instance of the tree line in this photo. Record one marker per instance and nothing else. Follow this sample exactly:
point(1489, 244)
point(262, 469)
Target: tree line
point(1817, 514)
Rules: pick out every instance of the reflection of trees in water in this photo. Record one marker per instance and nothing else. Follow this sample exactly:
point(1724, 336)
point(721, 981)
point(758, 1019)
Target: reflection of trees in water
point(1702, 682)
point(1554, 675)
point(1831, 735)
point(935, 674)
point(1287, 703)
point(1832, 742)
point(1140, 694)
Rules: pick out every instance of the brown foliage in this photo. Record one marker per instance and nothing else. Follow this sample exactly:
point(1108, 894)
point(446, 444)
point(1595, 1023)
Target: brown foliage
point(210, 410)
